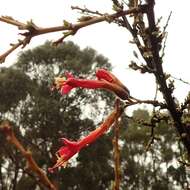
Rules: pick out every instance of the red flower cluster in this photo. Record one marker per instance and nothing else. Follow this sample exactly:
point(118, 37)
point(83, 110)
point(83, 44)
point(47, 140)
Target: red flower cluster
point(105, 80)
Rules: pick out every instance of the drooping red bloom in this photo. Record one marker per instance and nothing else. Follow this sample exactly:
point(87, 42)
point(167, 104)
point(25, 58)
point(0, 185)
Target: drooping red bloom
point(70, 148)
point(105, 80)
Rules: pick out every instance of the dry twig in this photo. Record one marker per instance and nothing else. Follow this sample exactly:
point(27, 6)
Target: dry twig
point(87, 11)
point(69, 28)
point(116, 154)
point(6, 128)
point(152, 102)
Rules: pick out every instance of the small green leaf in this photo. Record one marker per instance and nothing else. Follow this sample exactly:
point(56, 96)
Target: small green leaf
point(66, 23)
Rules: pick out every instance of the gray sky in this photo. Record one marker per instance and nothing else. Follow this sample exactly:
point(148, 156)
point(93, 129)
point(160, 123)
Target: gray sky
point(108, 39)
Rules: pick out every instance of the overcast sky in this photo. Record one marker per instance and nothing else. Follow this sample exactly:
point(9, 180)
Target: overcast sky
point(107, 39)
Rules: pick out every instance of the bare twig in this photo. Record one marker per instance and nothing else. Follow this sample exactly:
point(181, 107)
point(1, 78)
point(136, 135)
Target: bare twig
point(167, 22)
point(186, 103)
point(152, 134)
point(187, 164)
point(116, 153)
point(10, 20)
point(9, 51)
point(6, 128)
point(150, 142)
point(180, 79)
point(155, 96)
point(132, 29)
point(33, 30)
point(152, 102)
point(166, 35)
point(85, 10)
point(153, 125)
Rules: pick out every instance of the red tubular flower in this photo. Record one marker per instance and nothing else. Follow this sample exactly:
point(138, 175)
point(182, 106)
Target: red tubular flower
point(103, 74)
point(116, 85)
point(70, 148)
point(106, 80)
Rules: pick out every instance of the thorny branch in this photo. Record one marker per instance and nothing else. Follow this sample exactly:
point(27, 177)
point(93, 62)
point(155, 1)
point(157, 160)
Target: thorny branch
point(6, 128)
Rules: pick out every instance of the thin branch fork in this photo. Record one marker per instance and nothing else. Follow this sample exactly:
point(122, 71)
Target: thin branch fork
point(6, 128)
point(71, 29)
point(151, 102)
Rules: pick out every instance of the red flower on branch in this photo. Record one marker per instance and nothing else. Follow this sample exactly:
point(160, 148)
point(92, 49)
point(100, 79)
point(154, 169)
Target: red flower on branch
point(70, 148)
point(67, 151)
point(105, 80)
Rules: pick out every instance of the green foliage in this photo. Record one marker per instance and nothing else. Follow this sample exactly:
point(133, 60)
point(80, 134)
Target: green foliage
point(66, 56)
point(26, 182)
point(14, 86)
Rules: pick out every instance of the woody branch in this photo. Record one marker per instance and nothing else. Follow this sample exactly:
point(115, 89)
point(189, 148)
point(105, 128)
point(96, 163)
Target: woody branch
point(70, 28)
point(6, 128)
point(116, 155)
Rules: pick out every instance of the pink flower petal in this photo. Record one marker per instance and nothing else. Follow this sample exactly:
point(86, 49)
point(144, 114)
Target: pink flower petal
point(104, 74)
point(65, 89)
point(69, 75)
point(68, 142)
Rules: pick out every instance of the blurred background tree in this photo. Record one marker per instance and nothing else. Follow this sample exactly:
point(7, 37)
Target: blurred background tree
point(158, 167)
point(41, 118)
